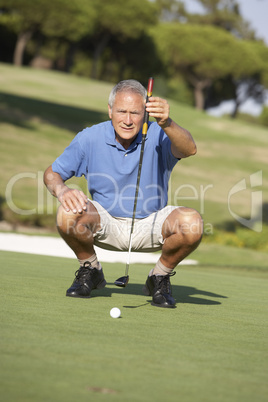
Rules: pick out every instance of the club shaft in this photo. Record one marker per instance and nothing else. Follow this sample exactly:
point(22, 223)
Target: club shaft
point(144, 133)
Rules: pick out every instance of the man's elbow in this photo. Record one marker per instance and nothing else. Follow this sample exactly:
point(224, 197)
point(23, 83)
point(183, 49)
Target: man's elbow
point(46, 174)
point(194, 150)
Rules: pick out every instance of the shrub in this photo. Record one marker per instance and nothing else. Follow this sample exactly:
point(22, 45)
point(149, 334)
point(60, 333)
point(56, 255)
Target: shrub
point(264, 116)
point(241, 237)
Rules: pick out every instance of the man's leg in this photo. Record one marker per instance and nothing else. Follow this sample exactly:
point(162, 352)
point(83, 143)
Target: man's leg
point(77, 230)
point(182, 232)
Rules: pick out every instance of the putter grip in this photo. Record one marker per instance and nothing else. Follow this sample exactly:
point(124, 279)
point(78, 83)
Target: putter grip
point(150, 87)
point(146, 114)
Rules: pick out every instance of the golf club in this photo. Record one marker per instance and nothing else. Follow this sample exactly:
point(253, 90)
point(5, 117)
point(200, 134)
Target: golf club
point(123, 281)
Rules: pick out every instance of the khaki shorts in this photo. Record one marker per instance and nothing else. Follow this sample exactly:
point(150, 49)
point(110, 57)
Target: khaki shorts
point(115, 232)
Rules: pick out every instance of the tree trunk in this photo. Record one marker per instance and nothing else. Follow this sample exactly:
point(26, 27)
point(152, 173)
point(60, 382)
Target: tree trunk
point(199, 97)
point(234, 112)
point(199, 86)
point(70, 57)
point(22, 41)
point(97, 54)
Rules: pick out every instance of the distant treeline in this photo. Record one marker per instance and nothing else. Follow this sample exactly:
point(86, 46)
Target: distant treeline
point(199, 59)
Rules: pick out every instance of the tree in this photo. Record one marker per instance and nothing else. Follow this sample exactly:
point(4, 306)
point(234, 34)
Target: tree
point(241, 88)
point(122, 21)
point(224, 14)
point(262, 52)
point(62, 19)
point(170, 10)
point(136, 58)
point(203, 54)
point(254, 85)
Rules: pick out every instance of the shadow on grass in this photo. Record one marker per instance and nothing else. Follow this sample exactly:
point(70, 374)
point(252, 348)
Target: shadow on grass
point(182, 294)
point(19, 110)
point(187, 294)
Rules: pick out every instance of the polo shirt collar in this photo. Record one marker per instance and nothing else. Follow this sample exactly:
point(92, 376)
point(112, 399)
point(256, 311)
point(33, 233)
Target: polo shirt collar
point(111, 140)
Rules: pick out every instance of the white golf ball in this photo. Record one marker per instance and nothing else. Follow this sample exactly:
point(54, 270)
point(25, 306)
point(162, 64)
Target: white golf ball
point(115, 312)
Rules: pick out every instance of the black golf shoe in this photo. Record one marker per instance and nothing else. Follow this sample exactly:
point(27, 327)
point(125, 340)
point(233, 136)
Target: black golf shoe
point(159, 287)
point(86, 279)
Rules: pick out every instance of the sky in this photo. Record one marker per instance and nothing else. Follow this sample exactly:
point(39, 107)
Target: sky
point(254, 11)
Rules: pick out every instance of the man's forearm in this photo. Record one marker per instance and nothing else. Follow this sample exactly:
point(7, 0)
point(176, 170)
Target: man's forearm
point(54, 182)
point(182, 143)
point(71, 199)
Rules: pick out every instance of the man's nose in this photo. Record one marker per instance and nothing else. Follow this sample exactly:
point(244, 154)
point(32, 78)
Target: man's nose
point(128, 119)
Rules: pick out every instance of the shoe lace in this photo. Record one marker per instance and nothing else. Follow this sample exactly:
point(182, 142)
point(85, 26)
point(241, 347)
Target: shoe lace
point(164, 283)
point(83, 273)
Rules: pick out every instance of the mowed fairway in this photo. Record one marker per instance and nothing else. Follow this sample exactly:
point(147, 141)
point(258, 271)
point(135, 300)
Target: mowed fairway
point(212, 347)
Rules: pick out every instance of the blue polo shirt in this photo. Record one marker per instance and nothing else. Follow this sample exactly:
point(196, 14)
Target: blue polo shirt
point(111, 170)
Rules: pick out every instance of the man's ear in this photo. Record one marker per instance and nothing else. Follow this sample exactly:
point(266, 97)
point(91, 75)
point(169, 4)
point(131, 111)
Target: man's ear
point(110, 111)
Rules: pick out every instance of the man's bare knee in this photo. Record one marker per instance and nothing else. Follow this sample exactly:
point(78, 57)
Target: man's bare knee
point(78, 223)
point(186, 221)
point(191, 225)
point(66, 220)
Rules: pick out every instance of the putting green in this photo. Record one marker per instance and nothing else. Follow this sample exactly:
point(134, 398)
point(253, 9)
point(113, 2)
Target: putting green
point(212, 347)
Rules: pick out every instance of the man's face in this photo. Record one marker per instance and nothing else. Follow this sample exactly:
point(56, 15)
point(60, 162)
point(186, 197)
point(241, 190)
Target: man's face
point(127, 116)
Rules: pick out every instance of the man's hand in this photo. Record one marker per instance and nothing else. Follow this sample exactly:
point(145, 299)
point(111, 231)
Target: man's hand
point(73, 200)
point(159, 109)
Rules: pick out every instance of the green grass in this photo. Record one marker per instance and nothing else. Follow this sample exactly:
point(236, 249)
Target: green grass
point(222, 256)
point(211, 348)
point(41, 111)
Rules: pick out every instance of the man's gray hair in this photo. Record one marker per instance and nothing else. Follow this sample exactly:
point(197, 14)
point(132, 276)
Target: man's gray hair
point(127, 86)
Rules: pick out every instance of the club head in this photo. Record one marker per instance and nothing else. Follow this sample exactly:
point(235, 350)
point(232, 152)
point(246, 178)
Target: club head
point(122, 282)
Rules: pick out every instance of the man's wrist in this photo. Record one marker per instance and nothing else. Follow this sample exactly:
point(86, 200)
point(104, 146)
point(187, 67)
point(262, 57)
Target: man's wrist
point(60, 190)
point(167, 124)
